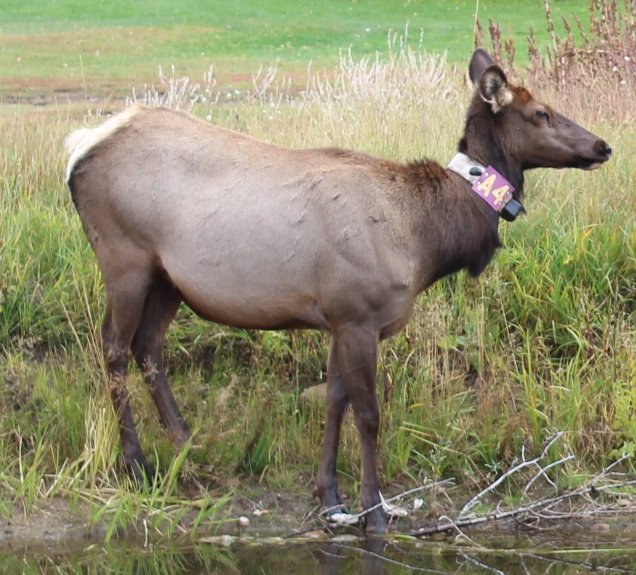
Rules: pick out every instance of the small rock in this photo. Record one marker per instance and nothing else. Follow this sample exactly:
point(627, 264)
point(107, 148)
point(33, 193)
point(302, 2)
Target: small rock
point(244, 521)
point(316, 534)
point(227, 540)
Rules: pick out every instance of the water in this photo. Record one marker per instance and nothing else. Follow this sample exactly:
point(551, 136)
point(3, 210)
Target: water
point(614, 553)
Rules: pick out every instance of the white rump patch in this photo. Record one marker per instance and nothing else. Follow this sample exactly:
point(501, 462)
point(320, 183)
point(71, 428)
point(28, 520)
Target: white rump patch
point(81, 141)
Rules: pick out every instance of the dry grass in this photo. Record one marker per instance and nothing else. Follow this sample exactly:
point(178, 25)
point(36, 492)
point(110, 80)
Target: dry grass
point(545, 341)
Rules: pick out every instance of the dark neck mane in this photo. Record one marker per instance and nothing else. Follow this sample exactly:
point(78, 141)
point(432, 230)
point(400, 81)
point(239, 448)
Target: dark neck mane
point(456, 228)
point(481, 141)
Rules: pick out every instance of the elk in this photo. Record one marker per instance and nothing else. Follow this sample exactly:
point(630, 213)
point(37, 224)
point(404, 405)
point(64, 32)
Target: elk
point(253, 235)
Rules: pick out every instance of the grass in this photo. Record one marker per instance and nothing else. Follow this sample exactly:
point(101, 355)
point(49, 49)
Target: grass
point(545, 341)
point(93, 47)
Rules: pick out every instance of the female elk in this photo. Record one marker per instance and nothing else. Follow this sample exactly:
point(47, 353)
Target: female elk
point(253, 235)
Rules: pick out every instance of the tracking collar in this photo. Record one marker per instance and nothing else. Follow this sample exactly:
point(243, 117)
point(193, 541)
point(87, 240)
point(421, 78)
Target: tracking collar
point(489, 185)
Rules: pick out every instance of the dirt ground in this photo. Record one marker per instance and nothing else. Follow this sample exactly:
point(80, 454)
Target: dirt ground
point(255, 512)
point(260, 512)
point(53, 524)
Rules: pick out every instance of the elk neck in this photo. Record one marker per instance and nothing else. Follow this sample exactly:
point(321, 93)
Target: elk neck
point(457, 229)
point(484, 142)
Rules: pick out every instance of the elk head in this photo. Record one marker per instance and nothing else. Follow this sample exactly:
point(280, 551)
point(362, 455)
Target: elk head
point(525, 133)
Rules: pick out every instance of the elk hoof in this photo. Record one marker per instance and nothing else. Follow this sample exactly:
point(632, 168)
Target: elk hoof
point(376, 523)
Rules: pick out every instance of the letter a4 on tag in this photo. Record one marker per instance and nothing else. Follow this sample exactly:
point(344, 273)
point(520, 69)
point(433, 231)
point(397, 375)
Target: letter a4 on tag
point(493, 188)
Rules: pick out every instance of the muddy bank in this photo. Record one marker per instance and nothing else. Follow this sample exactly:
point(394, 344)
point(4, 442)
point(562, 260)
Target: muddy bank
point(55, 524)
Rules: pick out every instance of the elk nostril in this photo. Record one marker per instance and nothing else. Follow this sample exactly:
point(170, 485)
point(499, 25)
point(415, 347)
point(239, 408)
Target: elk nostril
point(603, 148)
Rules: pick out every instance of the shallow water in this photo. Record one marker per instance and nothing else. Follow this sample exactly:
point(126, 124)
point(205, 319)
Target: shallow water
point(344, 555)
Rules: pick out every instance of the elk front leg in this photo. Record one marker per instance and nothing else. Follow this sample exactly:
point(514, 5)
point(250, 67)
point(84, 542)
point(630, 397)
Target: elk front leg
point(356, 352)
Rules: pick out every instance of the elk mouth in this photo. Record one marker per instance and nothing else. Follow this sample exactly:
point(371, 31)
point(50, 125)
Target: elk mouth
point(594, 164)
point(590, 165)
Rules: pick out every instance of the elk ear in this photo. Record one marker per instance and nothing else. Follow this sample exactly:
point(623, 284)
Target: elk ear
point(493, 88)
point(479, 63)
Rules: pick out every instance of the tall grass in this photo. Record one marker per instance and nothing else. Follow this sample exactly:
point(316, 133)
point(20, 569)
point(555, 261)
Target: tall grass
point(544, 341)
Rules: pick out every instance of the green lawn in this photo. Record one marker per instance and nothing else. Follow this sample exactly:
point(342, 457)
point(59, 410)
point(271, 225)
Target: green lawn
point(67, 45)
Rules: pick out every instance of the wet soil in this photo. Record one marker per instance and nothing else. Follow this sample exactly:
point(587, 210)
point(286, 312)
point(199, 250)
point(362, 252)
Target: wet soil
point(259, 512)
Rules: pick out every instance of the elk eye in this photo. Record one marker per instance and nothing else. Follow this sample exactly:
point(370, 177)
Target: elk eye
point(543, 115)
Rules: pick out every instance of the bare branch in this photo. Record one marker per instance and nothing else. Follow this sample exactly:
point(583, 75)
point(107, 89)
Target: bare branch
point(384, 559)
point(541, 508)
point(517, 512)
point(471, 559)
point(524, 463)
point(354, 518)
point(542, 470)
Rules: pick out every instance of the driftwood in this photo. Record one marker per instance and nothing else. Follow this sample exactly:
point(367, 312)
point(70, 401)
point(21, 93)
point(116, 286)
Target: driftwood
point(587, 495)
point(583, 502)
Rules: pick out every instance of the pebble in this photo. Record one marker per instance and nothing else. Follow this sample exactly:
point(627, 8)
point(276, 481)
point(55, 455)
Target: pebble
point(316, 534)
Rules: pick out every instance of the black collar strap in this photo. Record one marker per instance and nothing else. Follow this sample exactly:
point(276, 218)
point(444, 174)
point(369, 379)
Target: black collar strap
point(488, 184)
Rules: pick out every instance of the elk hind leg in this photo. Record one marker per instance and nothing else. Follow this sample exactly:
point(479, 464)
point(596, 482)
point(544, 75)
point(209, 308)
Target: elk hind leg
point(125, 301)
point(336, 405)
point(160, 308)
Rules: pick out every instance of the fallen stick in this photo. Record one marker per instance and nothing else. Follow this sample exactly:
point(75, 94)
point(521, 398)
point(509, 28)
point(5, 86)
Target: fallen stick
point(534, 508)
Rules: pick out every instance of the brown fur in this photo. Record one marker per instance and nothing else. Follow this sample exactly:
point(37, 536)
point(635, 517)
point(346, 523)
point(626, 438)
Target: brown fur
point(253, 235)
point(522, 96)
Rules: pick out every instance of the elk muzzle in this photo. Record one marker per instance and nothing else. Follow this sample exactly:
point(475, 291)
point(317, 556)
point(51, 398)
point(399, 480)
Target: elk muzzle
point(603, 152)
